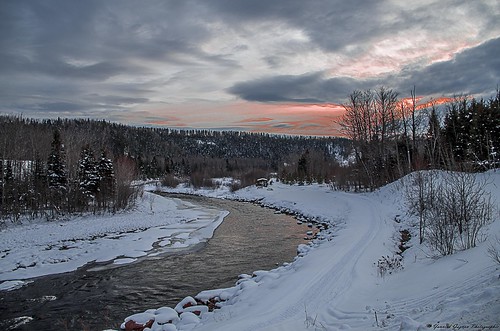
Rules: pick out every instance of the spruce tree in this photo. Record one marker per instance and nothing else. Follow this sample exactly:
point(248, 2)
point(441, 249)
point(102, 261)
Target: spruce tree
point(56, 166)
point(56, 175)
point(88, 175)
point(107, 184)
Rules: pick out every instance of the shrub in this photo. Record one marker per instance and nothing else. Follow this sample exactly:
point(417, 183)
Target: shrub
point(452, 210)
point(388, 265)
point(170, 180)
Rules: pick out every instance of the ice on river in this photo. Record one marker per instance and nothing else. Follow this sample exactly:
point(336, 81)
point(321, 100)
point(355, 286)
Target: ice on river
point(156, 225)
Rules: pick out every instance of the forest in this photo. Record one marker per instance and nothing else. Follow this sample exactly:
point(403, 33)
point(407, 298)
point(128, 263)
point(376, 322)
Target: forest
point(56, 167)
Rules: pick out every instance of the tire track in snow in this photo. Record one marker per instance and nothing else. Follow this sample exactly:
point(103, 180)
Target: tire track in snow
point(336, 279)
point(420, 305)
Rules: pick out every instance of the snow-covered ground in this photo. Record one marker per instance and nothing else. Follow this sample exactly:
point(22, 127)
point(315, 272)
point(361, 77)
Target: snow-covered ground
point(334, 283)
point(156, 225)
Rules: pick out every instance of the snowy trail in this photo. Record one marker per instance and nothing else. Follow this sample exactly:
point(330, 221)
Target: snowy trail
point(350, 253)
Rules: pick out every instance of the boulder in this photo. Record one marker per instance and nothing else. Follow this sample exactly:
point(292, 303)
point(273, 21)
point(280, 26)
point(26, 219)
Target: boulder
point(197, 310)
point(186, 302)
point(132, 325)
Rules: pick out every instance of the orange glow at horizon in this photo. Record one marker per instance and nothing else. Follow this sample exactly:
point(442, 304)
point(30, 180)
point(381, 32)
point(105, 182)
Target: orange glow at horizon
point(283, 118)
point(408, 102)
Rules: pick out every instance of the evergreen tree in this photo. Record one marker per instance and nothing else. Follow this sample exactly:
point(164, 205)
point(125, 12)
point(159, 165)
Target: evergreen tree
point(303, 166)
point(9, 187)
point(56, 166)
point(451, 132)
point(485, 138)
point(107, 185)
point(88, 175)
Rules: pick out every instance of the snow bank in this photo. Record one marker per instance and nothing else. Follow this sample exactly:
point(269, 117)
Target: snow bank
point(157, 225)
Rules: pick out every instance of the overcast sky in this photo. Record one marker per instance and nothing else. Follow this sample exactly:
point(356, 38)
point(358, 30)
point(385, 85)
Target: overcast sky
point(266, 65)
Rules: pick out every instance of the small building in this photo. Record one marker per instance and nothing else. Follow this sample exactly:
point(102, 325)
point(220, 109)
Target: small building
point(261, 182)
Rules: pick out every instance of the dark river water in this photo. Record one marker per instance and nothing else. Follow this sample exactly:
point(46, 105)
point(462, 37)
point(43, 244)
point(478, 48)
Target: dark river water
point(250, 238)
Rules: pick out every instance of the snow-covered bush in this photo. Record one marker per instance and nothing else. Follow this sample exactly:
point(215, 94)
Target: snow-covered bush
point(388, 265)
point(494, 250)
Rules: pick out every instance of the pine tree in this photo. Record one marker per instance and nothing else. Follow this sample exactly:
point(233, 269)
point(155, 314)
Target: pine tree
point(302, 167)
point(107, 185)
point(56, 167)
point(88, 175)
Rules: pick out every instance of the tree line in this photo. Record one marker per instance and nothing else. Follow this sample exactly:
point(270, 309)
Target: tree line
point(392, 137)
point(81, 153)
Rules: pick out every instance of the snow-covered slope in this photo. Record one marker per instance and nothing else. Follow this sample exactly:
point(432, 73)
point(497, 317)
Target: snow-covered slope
point(334, 283)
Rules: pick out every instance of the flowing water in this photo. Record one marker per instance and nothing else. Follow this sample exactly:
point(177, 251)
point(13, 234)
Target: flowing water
point(250, 238)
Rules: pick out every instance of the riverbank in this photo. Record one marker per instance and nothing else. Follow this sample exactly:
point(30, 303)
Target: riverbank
point(336, 283)
point(154, 226)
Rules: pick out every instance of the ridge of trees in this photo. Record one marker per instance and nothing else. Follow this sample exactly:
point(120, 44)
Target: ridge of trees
point(54, 161)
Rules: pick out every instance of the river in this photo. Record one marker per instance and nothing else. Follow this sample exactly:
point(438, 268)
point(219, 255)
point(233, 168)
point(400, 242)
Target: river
point(98, 297)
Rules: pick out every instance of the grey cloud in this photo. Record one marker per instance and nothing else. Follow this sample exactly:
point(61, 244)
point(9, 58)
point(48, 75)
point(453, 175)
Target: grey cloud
point(59, 106)
point(308, 88)
point(117, 100)
point(320, 20)
point(273, 61)
point(473, 71)
point(286, 88)
point(99, 71)
point(349, 26)
point(43, 33)
point(55, 67)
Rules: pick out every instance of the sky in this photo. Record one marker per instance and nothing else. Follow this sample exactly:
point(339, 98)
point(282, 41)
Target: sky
point(279, 66)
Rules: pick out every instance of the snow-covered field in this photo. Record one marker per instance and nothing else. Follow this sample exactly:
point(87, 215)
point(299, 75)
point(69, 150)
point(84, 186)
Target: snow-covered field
point(155, 225)
point(334, 283)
